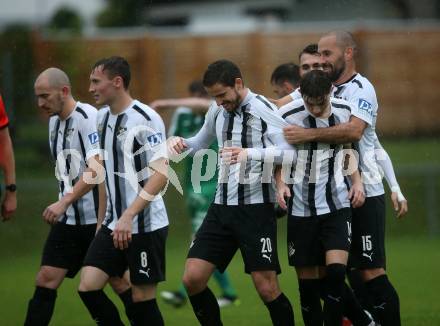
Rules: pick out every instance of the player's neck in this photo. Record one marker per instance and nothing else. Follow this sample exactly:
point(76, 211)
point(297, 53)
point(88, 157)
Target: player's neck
point(68, 108)
point(121, 103)
point(349, 72)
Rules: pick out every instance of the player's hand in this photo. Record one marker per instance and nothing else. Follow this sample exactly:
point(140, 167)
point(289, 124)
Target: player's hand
point(296, 135)
point(232, 155)
point(122, 232)
point(283, 192)
point(176, 145)
point(356, 195)
point(54, 211)
point(9, 205)
point(400, 204)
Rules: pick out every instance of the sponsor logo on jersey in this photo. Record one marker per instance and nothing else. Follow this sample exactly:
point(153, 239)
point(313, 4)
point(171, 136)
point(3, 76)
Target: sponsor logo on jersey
point(366, 106)
point(155, 139)
point(93, 138)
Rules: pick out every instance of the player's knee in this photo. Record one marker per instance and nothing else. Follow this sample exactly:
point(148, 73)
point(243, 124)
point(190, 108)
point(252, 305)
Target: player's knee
point(143, 292)
point(369, 274)
point(335, 273)
point(266, 284)
point(193, 282)
point(87, 284)
point(49, 278)
point(119, 285)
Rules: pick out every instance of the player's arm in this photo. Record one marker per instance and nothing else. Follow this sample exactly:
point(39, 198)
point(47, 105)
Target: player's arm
point(348, 132)
point(384, 161)
point(102, 206)
point(197, 104)
point(283, 191)
point(279, 153)
point(282, 101)
point(202, 140)
point(356, 194)
point(156, 182)
point(91, 176)
point(7, 164)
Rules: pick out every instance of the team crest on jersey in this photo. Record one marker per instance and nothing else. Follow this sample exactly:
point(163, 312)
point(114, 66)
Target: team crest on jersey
point(155, 139)
point(93, 138)
point(69, 132)
point(366, 106)
point(120, 131)
point(100, 128)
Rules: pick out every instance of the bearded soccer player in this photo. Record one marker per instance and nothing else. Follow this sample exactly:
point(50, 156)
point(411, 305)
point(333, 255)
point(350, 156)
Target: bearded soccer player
point(74, 146)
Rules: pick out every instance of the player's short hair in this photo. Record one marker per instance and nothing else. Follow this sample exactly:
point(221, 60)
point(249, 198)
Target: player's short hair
point(223, 72)
point(315, 84)
point(115, 66)
point(286, 72)
point(309, 49)
point(196, 88)
point(344, 39)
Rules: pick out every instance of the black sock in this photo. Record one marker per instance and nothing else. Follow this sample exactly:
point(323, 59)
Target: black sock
point(127, 300)
point(40, 308)
point(102, 310)
point(352, 308)
point(281, 311)
point(146, 313)
point(360, 290)
point(385, 300)
point(206, 308)
point(309, 294)
point(334, 283)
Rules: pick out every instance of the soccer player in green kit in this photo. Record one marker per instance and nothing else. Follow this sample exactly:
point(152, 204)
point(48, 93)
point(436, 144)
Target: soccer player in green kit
point(186, 121)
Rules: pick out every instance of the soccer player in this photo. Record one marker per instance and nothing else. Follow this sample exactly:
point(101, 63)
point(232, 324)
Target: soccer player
point(135, 227)
point(309, 59)
point(242, 214)
point(367, 252)
point(187, 121)
point(319, 214)
point(74, 145)
point(7, 165)
point(285, 79)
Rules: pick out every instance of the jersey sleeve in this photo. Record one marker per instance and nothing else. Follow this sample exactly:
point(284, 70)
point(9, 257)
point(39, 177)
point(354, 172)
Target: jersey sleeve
point(153, 139)
point(365, 104)
point(89, 134)
point(295, 95)
point(206, 135)
point(4, 121)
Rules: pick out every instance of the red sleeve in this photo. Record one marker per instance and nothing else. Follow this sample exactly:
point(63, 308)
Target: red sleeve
point(3, 117)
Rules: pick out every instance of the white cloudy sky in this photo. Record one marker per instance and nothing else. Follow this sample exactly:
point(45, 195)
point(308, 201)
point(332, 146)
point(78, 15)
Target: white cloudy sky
point(39, 10)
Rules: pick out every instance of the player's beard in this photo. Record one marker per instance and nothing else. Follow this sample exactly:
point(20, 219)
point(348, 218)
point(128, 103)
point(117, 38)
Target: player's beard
point(233, 104)
point(334, 71)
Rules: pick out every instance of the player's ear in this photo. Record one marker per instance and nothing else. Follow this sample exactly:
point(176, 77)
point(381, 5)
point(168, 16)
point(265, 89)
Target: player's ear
point(349, 53)
point(118, 82)
point(65, 90)
point(239, 84)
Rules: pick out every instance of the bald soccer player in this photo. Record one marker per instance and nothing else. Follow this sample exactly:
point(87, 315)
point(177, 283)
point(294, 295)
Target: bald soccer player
point(76, 215)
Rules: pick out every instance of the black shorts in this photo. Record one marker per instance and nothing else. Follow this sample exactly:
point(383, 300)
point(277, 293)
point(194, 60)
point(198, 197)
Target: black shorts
point(144, 257)
point(368, 246)
point(308, 238)
point(250, 228)
point(66, 246)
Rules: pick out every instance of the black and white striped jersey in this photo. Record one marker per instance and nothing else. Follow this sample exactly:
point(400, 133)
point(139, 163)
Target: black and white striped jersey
point(131, 140)
point(360, 92)
point(317, 179)
point(242, 183)
point(72, 142)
